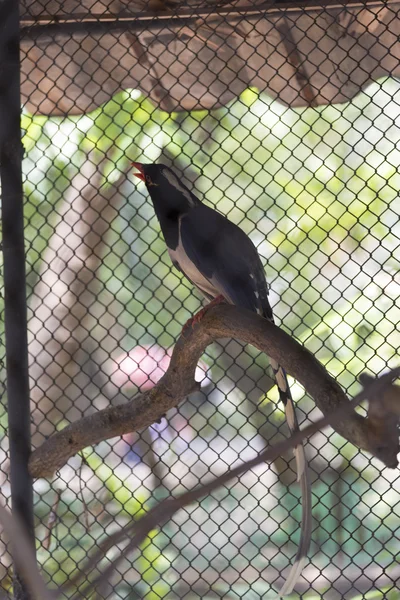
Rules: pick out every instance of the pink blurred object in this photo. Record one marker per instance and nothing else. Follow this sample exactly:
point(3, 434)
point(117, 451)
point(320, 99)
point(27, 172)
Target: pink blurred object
point(144, 366)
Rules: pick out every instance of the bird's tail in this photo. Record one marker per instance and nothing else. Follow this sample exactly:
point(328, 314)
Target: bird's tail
point(302, 478)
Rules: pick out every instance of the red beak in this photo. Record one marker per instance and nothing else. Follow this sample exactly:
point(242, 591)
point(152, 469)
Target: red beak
point(139, 166)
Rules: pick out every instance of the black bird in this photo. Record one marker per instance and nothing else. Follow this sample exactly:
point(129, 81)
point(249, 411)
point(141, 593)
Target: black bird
point(221, 260)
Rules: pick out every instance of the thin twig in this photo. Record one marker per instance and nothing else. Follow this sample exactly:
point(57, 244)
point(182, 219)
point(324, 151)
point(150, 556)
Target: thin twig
point(52, 520)
point(85, 508)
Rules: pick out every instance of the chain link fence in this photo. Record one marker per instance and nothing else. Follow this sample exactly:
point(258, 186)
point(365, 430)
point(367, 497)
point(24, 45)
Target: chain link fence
point(271, 117)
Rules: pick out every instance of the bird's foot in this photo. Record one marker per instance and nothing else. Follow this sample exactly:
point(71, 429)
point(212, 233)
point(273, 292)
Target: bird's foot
point(190, 323)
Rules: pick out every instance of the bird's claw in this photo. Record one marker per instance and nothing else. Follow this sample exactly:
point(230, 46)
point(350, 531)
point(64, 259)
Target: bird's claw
point(190, 323)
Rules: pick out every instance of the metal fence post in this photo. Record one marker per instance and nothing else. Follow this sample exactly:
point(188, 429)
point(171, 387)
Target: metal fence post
point(11, 151)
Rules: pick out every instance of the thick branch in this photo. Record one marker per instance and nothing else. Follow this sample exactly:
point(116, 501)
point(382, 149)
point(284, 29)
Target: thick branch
point(178, 382)
point(384, 395)
point(23, 554)
point(137, 530)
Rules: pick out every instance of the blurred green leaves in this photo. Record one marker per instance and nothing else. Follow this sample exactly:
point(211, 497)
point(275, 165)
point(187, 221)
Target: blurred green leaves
point(316, 189)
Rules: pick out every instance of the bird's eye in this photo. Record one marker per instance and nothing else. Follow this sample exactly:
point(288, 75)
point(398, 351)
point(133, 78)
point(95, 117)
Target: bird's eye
point(148, 178)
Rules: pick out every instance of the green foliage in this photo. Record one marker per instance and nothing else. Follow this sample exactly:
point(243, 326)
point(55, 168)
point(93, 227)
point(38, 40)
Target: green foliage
point(124, 499)
point(316, 191)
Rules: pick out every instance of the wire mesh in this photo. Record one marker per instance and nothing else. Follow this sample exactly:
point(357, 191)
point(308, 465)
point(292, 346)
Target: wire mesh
point(304, 157)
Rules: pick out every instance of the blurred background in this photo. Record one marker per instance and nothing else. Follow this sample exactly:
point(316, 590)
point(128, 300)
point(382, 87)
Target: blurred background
point(316, 189)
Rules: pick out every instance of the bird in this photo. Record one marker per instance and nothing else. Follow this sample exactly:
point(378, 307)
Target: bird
point(222, 262)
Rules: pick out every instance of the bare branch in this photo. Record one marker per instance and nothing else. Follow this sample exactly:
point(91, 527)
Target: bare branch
point(138, 530)
point(178, 382)
point(381, 393)
point(81, 492)
point(52, 520)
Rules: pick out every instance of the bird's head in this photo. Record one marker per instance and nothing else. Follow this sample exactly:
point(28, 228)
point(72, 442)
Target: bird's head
point(167, 191)
point(152, 174)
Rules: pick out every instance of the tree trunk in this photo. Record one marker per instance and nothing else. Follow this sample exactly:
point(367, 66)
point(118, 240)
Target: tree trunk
point(63, 308)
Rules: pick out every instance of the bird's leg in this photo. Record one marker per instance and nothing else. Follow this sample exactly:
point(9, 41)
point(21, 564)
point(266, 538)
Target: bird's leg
point(198, 316)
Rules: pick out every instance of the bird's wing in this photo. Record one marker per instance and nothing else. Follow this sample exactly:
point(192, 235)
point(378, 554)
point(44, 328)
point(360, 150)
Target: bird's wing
point(175, 262)
point(222, 253)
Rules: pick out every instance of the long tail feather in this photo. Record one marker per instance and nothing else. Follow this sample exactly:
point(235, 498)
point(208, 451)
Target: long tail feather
point(264, 309)
point(306, 527)
point(302, 478)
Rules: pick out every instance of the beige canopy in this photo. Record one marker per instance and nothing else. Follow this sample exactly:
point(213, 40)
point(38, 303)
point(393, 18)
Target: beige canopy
point(304, 56)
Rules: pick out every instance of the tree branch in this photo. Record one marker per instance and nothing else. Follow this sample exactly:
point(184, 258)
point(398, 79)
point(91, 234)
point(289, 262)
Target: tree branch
point(137, 530)
point(381, 391)
point(178, 382)
point(385, 398)
point(23, 554)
